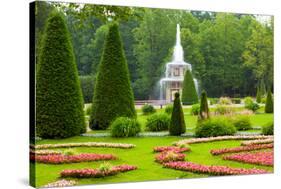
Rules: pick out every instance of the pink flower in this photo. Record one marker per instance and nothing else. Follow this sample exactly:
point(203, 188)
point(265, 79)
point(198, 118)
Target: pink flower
point(170, 148)
point(168, 156)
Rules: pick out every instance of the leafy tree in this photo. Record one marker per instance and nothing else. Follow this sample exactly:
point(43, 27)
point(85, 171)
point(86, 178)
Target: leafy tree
point(113, 96)
point(204, 109)
point(177, 125)
point(189, 94)
point(269, 103)
point(59, 103)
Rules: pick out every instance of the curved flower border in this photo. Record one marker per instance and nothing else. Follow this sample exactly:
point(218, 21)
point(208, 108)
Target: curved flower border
point(84, 144)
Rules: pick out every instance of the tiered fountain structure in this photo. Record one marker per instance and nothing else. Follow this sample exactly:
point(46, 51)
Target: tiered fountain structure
point(174, 74)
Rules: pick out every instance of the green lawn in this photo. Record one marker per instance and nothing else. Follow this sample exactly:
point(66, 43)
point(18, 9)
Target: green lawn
point(141, 156)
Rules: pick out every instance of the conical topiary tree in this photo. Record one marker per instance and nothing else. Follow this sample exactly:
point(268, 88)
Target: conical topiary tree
point(177, 124)
point(113, 95)
point(269, 103)
point(189, 94)
point(204, 109)
point(258, 95)
point(59, 102)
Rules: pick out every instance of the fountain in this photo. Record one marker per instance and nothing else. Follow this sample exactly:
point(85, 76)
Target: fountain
point(174, 74)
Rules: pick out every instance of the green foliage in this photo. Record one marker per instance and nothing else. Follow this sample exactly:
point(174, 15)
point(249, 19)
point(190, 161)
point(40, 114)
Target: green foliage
point(69, 152)
point(169, 108)
point(88, 110)
point(250, 104)
point(87, 86)
point(223, 109)
point(195, 109)
point(148, 109)
point(113, 96)
point(269, 103)
point(213, 101)
point(125, 127)
point(158, 122)
point(263, 100)
point(258, 95)
point(104, 167)
point(189, 94)
point(59, 103)
point(177, 124)
point(204, 108)
point(218, 126)
point(236, 100)
point(225, 101)
point(268, 129)
point(242, 122)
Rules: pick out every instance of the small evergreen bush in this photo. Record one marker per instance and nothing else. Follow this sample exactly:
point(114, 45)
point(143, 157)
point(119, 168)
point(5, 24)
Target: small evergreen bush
point(263, 100)
point(195, 109)
point(242, 122)
point(177, 124)
point(169, 108)
point(250, 104)
point(189, 94)
point(225, 101)
point(218, 126)
point(258, 95)
point(269, 103)
point(147, 109)
point(204, 108)
point(125, 127)
point(158, 122)
point(268, 129)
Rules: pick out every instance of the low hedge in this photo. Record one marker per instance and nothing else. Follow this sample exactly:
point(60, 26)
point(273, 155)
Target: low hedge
point(125, 127)
point(148, 109)
point(158, 122)
point(268, 129)
point(242, 122)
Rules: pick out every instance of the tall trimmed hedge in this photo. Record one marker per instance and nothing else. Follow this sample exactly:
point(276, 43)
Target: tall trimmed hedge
point(258, 95)
point(189, 94)
point(177, 124)
point(113, 95)
point(269, 103)
point(59, 102)
point(204, 108)
point(87, 86)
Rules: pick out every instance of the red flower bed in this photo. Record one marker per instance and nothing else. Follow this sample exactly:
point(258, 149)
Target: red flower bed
point(58, 159)
point(241, 149)
point(95, 173)
point(259, 158)
point(213, 170)
point(168, 156)
point(170, 148)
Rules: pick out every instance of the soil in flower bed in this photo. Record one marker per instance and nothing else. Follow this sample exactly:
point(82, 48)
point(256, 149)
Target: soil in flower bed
point(259, 158)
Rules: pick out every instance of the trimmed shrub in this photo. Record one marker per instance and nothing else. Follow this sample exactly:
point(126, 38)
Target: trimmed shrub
point(113, 95)
point(169, 108)
point(189, 94)
point(147, 109)
point(195, 109)
point(225, 101)
point(268, 129)
point(258, 95)
point(177, 124)
point(213, 127)
point(242, 122)
point(250, 104)
point(59, 102)
point(125, 127)
point(269, 103)
point(222, 110)
point(158, 122)
point(236, 100)
point(204, 109)
point(263, 100)
point(87, 86)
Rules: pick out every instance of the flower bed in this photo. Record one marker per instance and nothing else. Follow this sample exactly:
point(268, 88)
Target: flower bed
point(84, 144)
point(169, 156)
point(58, 159)
point(220, 138)
point(95, 173)
point(240, 149)
point(44, 152)
point(170, 148)
point(259, 158)
point(254, 142)
point(213, 170)
point(61, 183)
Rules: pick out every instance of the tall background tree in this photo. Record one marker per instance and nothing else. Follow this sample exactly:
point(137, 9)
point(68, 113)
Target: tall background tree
point(59, 103)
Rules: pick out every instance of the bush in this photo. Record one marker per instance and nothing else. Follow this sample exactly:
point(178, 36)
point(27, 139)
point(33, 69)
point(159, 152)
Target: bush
point(225, 101)
point(236, 100)
point(177, 124)
point(158, 122)
point(269, 103)
point(248, 100)
point(213, 127)
point(147, 109)
point(242, 123)
point(87, 86)
point(59, 101)
point(258, 95)
point(268, 129)
point(204, 108)
point(125, 127)
point(189, 94)
point(113, 95)
point(169, 108)
point(250, 104)
point(222, 110)
point(88, 110)
point(213, 101)
point(195, 109)
point(263, 100)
